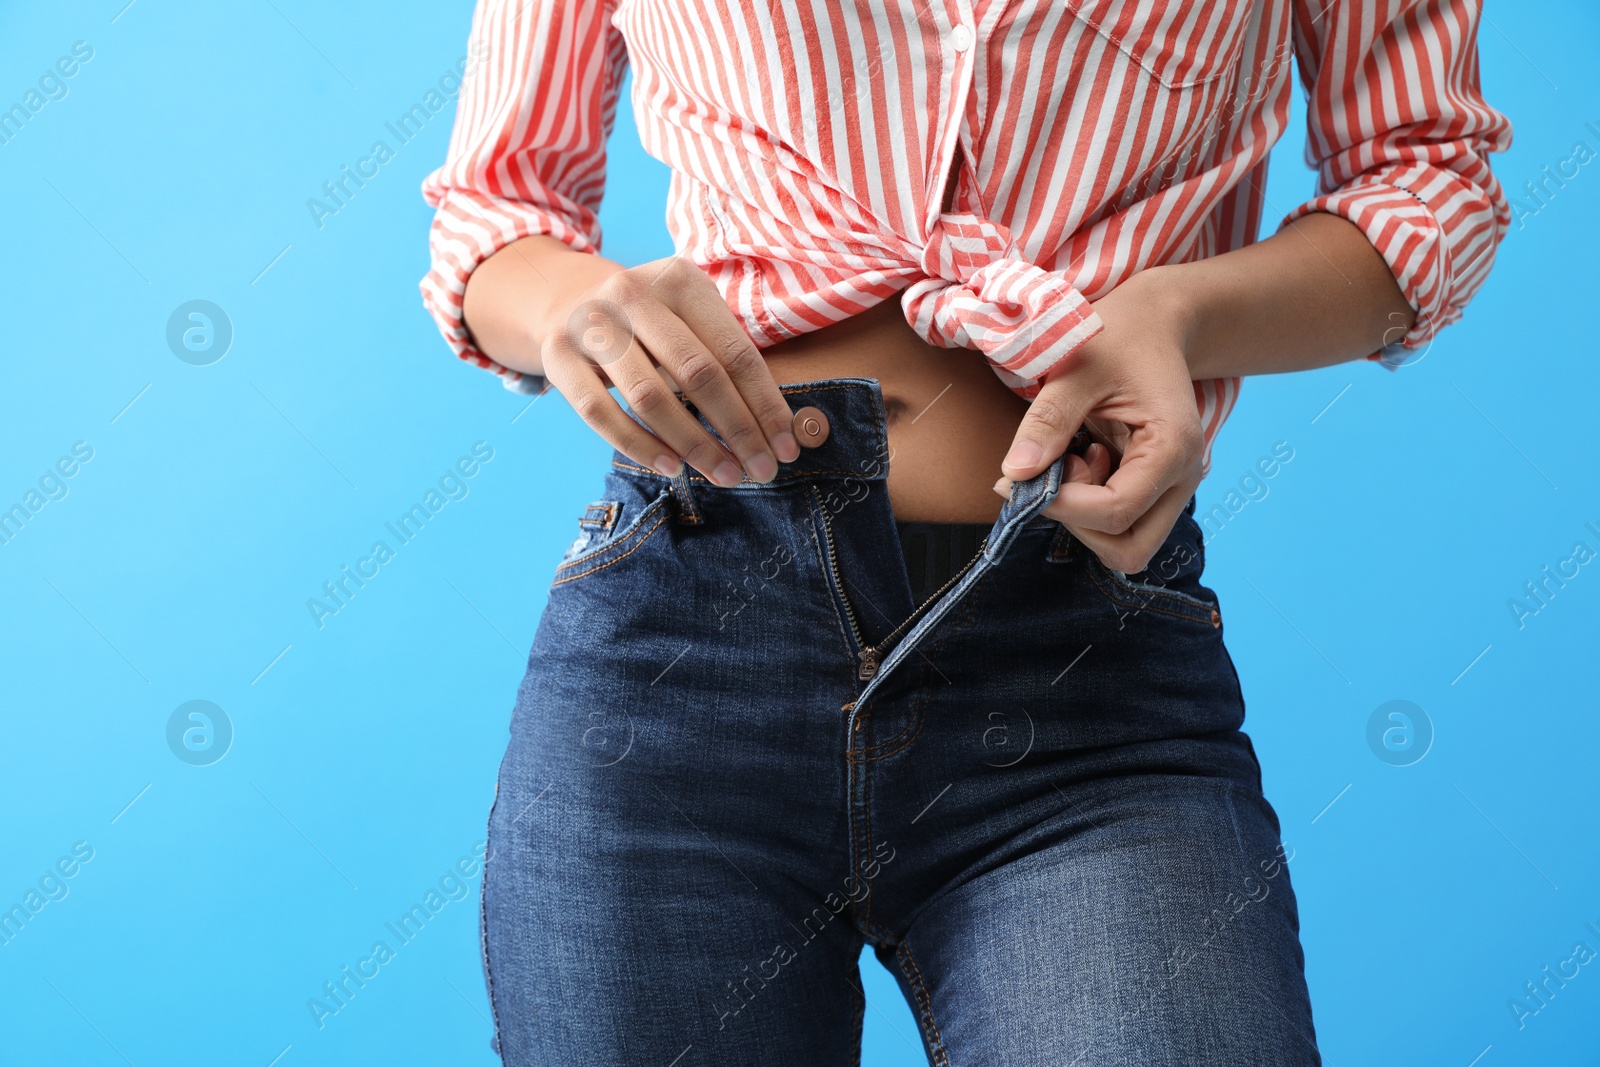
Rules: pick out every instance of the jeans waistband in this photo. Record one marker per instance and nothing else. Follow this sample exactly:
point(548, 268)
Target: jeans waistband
point(857, 445)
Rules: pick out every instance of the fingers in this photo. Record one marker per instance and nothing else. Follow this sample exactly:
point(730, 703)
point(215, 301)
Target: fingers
point(691, 333)
point(599, 336)
point(1046, 430)
point(1158, 457)
point(1091, 468)
point(586, 392)
point(639, 382)
point(1099, 463)
point(702, 309)
point(1132, 550)
point(667, 340)
point(629, 334)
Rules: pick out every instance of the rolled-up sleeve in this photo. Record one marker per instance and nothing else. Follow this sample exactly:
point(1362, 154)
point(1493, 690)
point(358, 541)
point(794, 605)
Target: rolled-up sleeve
point(527, 151)
point(1400, 136)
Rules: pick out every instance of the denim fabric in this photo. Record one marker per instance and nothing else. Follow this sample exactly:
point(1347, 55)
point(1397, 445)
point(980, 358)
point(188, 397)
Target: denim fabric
point(1033, 799)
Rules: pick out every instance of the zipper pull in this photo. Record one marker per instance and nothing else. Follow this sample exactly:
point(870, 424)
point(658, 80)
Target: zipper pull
point(869, 664)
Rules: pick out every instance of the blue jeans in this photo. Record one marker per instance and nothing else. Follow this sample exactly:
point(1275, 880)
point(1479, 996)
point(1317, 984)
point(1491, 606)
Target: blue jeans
point(740, 752)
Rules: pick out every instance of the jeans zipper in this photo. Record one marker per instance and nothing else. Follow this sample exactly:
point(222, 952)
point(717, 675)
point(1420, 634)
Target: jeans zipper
point(871, 656)
point(883, 646)
point(868, 656)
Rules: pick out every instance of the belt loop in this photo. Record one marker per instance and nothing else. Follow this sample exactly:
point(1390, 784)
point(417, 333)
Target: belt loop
point(688, 514)
point(1060, 550)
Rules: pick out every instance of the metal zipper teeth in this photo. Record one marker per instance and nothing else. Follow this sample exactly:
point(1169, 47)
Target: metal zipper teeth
point(872, 655)
point(912, 618)
point(867, 654)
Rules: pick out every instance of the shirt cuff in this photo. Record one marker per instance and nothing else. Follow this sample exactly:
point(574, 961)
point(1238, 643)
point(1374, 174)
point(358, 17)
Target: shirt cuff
point(468, 228)
point(1406, 232)
point(531, 384)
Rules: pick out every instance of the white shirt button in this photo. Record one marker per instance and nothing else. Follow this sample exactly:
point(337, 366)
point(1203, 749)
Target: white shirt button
point(961, 38)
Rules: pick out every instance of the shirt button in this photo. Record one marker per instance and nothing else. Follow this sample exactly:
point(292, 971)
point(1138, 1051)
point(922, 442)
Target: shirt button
point(961, 38)
point(811, 426)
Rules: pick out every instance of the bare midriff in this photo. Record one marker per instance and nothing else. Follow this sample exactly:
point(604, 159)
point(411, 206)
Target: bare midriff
point(951, 419)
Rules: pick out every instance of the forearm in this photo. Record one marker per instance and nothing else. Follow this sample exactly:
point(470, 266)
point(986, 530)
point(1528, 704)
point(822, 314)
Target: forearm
point(514, 296)
point(1313, 294)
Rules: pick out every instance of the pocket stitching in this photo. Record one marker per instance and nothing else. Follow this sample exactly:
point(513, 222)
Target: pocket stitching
point(634, 533)
point(1199, 610)
point(1230, 57)
point(605, 520)
point(637, 543)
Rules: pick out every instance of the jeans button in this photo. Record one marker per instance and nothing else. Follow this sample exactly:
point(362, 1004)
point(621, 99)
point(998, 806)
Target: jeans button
point(810, 426)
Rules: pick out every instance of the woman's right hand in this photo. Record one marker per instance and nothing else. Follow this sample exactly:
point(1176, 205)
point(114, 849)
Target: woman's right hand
point(653, 329)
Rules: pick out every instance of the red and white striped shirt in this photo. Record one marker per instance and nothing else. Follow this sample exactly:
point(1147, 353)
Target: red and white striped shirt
point(809, 141)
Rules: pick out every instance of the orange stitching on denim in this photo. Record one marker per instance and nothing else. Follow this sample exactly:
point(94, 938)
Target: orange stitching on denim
point(685, 497)
point(634, 548)
point(1061, 547)
point(1211, 612)
point(1137, 588)
point(788, 389)
point(696, 476)
point(914, 728)
point(1145, 606)
point(930, 1028)
point(919, 718)
point(617, 542)
point(802, 388)
point(866, 806)
point(604, 521)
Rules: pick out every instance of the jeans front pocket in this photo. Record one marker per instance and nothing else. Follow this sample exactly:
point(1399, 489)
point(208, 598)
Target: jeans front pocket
point(1170, 585)
point(632, 510)
point(595, 525)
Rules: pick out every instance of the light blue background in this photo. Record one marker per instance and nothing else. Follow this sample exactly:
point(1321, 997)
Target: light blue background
point(220, 498)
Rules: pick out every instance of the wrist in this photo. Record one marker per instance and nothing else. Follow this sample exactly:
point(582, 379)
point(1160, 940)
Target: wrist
point(1172, 294)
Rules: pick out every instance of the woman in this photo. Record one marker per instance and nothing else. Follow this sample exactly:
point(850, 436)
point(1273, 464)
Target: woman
point(810, 678)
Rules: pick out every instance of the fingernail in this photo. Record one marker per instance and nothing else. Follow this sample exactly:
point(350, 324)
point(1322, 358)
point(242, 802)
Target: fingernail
point(668, 466)
point(1000, 487)
point(763, 468)
point(787, 447)
point(1024, 454)
point(726, 474)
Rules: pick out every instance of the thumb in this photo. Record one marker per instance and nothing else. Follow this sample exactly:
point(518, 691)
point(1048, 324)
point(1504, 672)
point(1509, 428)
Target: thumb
point(1046, 430)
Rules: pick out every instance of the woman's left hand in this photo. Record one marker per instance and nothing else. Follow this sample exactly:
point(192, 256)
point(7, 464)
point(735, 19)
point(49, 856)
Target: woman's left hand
point(1130, 387)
